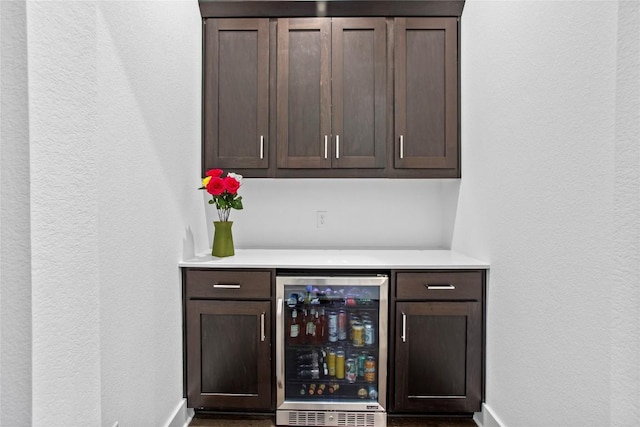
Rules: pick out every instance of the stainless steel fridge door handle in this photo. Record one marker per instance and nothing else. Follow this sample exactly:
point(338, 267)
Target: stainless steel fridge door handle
point(262, 338)
point(404, 327)
point(261, 147)
point(280, 356)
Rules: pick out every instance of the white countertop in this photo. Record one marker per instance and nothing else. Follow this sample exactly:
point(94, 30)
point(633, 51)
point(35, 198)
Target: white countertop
point(338, 259)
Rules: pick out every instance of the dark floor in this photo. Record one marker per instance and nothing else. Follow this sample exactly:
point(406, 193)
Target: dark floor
point(202, 420)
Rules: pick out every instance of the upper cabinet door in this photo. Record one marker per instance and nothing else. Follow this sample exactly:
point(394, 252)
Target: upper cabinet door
point(358, 82)
point(426, 94)
point(304, 93)
point(236, 97)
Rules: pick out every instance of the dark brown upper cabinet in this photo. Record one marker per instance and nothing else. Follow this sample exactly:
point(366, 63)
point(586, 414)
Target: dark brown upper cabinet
point(331, 91)
point(426, 95)
point(368, 90)
point(236, 94)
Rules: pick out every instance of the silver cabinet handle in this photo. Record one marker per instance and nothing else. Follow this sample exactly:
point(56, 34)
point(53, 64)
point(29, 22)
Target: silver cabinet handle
point(325, 147)
point(401, 146)
point(225, 286)
point(262, 327)
point(261, 147)
point(446, 287)
point(404, 327)
point(337, 146)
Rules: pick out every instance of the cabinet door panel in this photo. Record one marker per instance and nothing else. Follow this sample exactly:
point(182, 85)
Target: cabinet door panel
point(358, 92)
point(426, 98)
point(228, 354)
point(236, 101)
point(304, 90)
point(438, 356)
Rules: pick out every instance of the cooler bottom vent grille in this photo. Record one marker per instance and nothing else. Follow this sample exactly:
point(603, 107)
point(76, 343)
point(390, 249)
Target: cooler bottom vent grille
point(320, 419)
point(306, 418)
point(356, 420)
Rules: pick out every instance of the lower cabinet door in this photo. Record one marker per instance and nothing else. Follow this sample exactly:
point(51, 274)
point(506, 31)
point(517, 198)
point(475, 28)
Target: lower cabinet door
point(438, 357)
point(228, 355)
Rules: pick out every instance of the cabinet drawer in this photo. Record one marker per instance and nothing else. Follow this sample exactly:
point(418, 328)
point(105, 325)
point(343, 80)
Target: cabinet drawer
point(439, 285)
point(227, 284)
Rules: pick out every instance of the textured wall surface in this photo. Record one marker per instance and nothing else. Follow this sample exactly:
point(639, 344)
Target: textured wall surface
point(149, 156)
point(64, 213)
point(112, 159)
point(625, 293)
point(550, 198)
point(15, 243)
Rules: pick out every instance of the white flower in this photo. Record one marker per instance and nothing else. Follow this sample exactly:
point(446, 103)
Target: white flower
point(235, 176)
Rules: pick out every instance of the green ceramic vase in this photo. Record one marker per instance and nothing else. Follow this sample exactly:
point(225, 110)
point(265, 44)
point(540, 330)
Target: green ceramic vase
point(222, 239)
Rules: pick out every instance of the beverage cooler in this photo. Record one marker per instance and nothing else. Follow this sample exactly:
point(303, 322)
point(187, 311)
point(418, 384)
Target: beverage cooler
point(331, 350)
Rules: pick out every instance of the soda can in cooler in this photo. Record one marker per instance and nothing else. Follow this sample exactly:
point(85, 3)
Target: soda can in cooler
point(369, 333)
point(332, 363)
point(339, 364)
point(333, 326)
point(357, 336)
point(342, 325)
point(361, 358)
point(353, 319)
point(370, 369)
point(350, 369)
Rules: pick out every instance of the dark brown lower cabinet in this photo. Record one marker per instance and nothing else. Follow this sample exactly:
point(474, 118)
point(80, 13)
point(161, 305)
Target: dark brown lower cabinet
point(438, 354)
point(228, 341)
point(436, 340)
point(232, 368)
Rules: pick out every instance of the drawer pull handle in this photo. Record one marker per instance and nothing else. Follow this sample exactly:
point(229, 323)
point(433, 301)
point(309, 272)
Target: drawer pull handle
point(404, 327)
point(226, 286)
point(262, 327)
point(439, 287)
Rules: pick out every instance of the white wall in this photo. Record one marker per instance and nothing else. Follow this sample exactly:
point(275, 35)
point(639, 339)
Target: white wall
point(362, 213)
point(113, 162)
point(15, 260)
point(550, 197)
point(148, 62)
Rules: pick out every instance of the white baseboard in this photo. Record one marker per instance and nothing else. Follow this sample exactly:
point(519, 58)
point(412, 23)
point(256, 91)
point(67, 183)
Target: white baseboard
point(487, 418)
point(182, 415)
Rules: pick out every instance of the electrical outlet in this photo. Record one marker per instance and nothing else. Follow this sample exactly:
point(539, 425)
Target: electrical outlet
point(321, 219)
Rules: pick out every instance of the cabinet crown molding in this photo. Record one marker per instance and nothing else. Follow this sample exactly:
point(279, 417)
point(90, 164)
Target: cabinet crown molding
point(347, 8)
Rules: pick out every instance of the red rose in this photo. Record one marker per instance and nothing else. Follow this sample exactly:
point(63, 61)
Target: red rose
point(215, 186)
point(214, 172)
point(231, 185)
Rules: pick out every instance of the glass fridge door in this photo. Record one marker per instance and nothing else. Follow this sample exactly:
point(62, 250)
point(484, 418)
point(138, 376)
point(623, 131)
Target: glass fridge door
point(332, 348)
